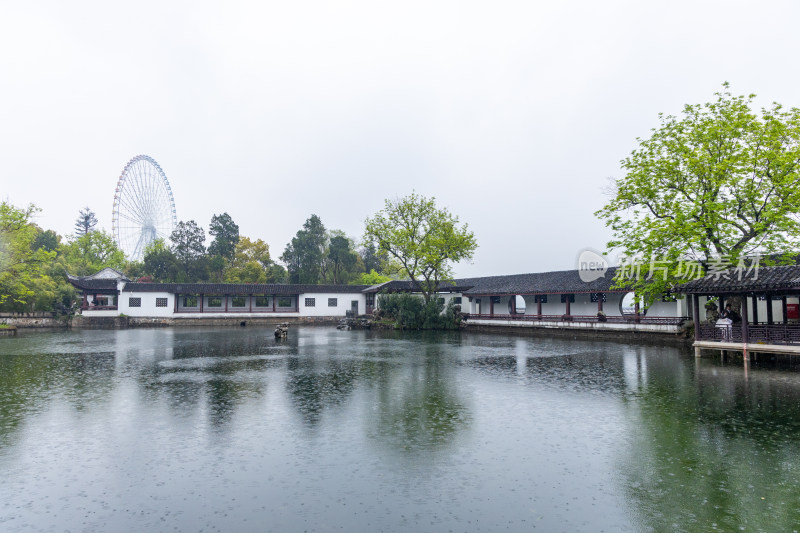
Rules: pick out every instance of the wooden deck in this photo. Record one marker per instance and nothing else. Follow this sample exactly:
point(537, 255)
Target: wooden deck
point(750, 347)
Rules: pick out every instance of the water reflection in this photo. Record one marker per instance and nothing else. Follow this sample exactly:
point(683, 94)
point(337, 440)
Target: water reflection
point(229, 429)
point(418, 408)
point(717, 451)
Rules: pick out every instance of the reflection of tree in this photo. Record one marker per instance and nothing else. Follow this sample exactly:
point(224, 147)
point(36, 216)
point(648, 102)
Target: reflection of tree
point(27, 381)
point(315, 386)
point(718, 451)
point(418, 407)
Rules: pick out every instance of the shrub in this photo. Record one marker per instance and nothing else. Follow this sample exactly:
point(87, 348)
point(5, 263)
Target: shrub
point(409, 311)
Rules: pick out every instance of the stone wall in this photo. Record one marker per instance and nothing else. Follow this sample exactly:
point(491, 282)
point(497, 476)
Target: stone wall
point(34, 320)
point(672, 336)
point(155, 322)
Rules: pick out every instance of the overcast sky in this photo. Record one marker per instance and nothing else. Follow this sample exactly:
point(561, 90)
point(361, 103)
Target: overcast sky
point(514, 115)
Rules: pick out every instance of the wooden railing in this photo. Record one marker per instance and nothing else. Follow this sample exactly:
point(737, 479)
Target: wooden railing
point(757, 333)
point(666, 320)
point(99, 307)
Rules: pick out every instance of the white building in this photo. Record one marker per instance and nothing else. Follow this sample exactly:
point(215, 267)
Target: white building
point(109, 293)
point(551, 299)
point(547, 299)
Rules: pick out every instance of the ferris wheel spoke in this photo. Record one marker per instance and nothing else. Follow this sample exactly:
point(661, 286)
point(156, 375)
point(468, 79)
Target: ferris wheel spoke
point(131, 212)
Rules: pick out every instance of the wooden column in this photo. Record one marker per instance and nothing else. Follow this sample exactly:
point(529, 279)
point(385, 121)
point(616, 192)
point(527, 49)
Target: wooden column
point(783, 305)
point(539, 305)
point(201, 302)
point(251, 303)
point(177, 297)
point(769, 309)
point(273, 302)
point(599, 301)
point(696, 311)
point(755, 309)
point(745, 329)
point(566, 298)
point(636, 309)
point(226, 302)
point(491, 305)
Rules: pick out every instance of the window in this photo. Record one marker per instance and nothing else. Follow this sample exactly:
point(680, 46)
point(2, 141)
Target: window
point(310, 302)
point(161, 302)
point(190, 301)
point(495, 299)
point(238, 301)
point(570, 297)
point(215, 301)
point(134, 302)
point(457, 300)
point(263, 301)
point(333, 302)
point(285, 301)
point(441, 300)
point(598, 296)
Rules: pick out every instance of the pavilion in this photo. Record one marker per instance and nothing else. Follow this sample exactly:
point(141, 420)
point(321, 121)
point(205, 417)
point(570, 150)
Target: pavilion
point(767, 302)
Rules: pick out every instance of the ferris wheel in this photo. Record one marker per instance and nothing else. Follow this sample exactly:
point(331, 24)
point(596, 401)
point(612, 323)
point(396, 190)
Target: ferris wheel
point(144, 209)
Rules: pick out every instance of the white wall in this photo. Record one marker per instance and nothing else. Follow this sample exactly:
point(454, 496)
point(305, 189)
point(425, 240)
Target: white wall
point(321, 308)
point(660, 308)
point(148, 307)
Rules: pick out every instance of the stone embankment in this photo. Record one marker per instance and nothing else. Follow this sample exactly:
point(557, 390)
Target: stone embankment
point(34, 320)
point(354, 323)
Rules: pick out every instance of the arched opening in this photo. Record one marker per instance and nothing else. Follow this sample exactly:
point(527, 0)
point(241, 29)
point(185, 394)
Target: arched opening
point(516, 305)
point(627, 305)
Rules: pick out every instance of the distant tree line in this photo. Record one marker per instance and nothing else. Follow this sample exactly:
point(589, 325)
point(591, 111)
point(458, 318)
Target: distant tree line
point(411, 238)
point(34, 262)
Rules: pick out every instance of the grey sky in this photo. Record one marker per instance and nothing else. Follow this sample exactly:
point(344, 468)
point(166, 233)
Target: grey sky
point(513, 114)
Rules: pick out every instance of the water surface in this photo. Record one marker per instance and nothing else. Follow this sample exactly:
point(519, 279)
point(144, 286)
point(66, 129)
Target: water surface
point(231, 430)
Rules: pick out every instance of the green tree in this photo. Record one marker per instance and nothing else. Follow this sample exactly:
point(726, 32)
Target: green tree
point(159, 262)
point(425, 239)
point(305, 254)
point(371, 278)
point(85, 222)
point(188, 244)
point(49, 240)
point(251, 262)
point(342, 260)
point(277, 274)
point(226, 234)
point(717, 184)
point(370, 256)
point(91, 252)
point(21, 265)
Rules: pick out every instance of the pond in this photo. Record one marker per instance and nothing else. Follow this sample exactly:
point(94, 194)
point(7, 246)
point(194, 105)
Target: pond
point(230, 430)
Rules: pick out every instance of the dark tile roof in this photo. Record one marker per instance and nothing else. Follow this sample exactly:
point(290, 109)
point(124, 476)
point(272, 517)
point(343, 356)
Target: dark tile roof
point(404, 286)
point(92, 284)
point(563, 281)
point(241, 288)
point(768, 278)
point(558, 282)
